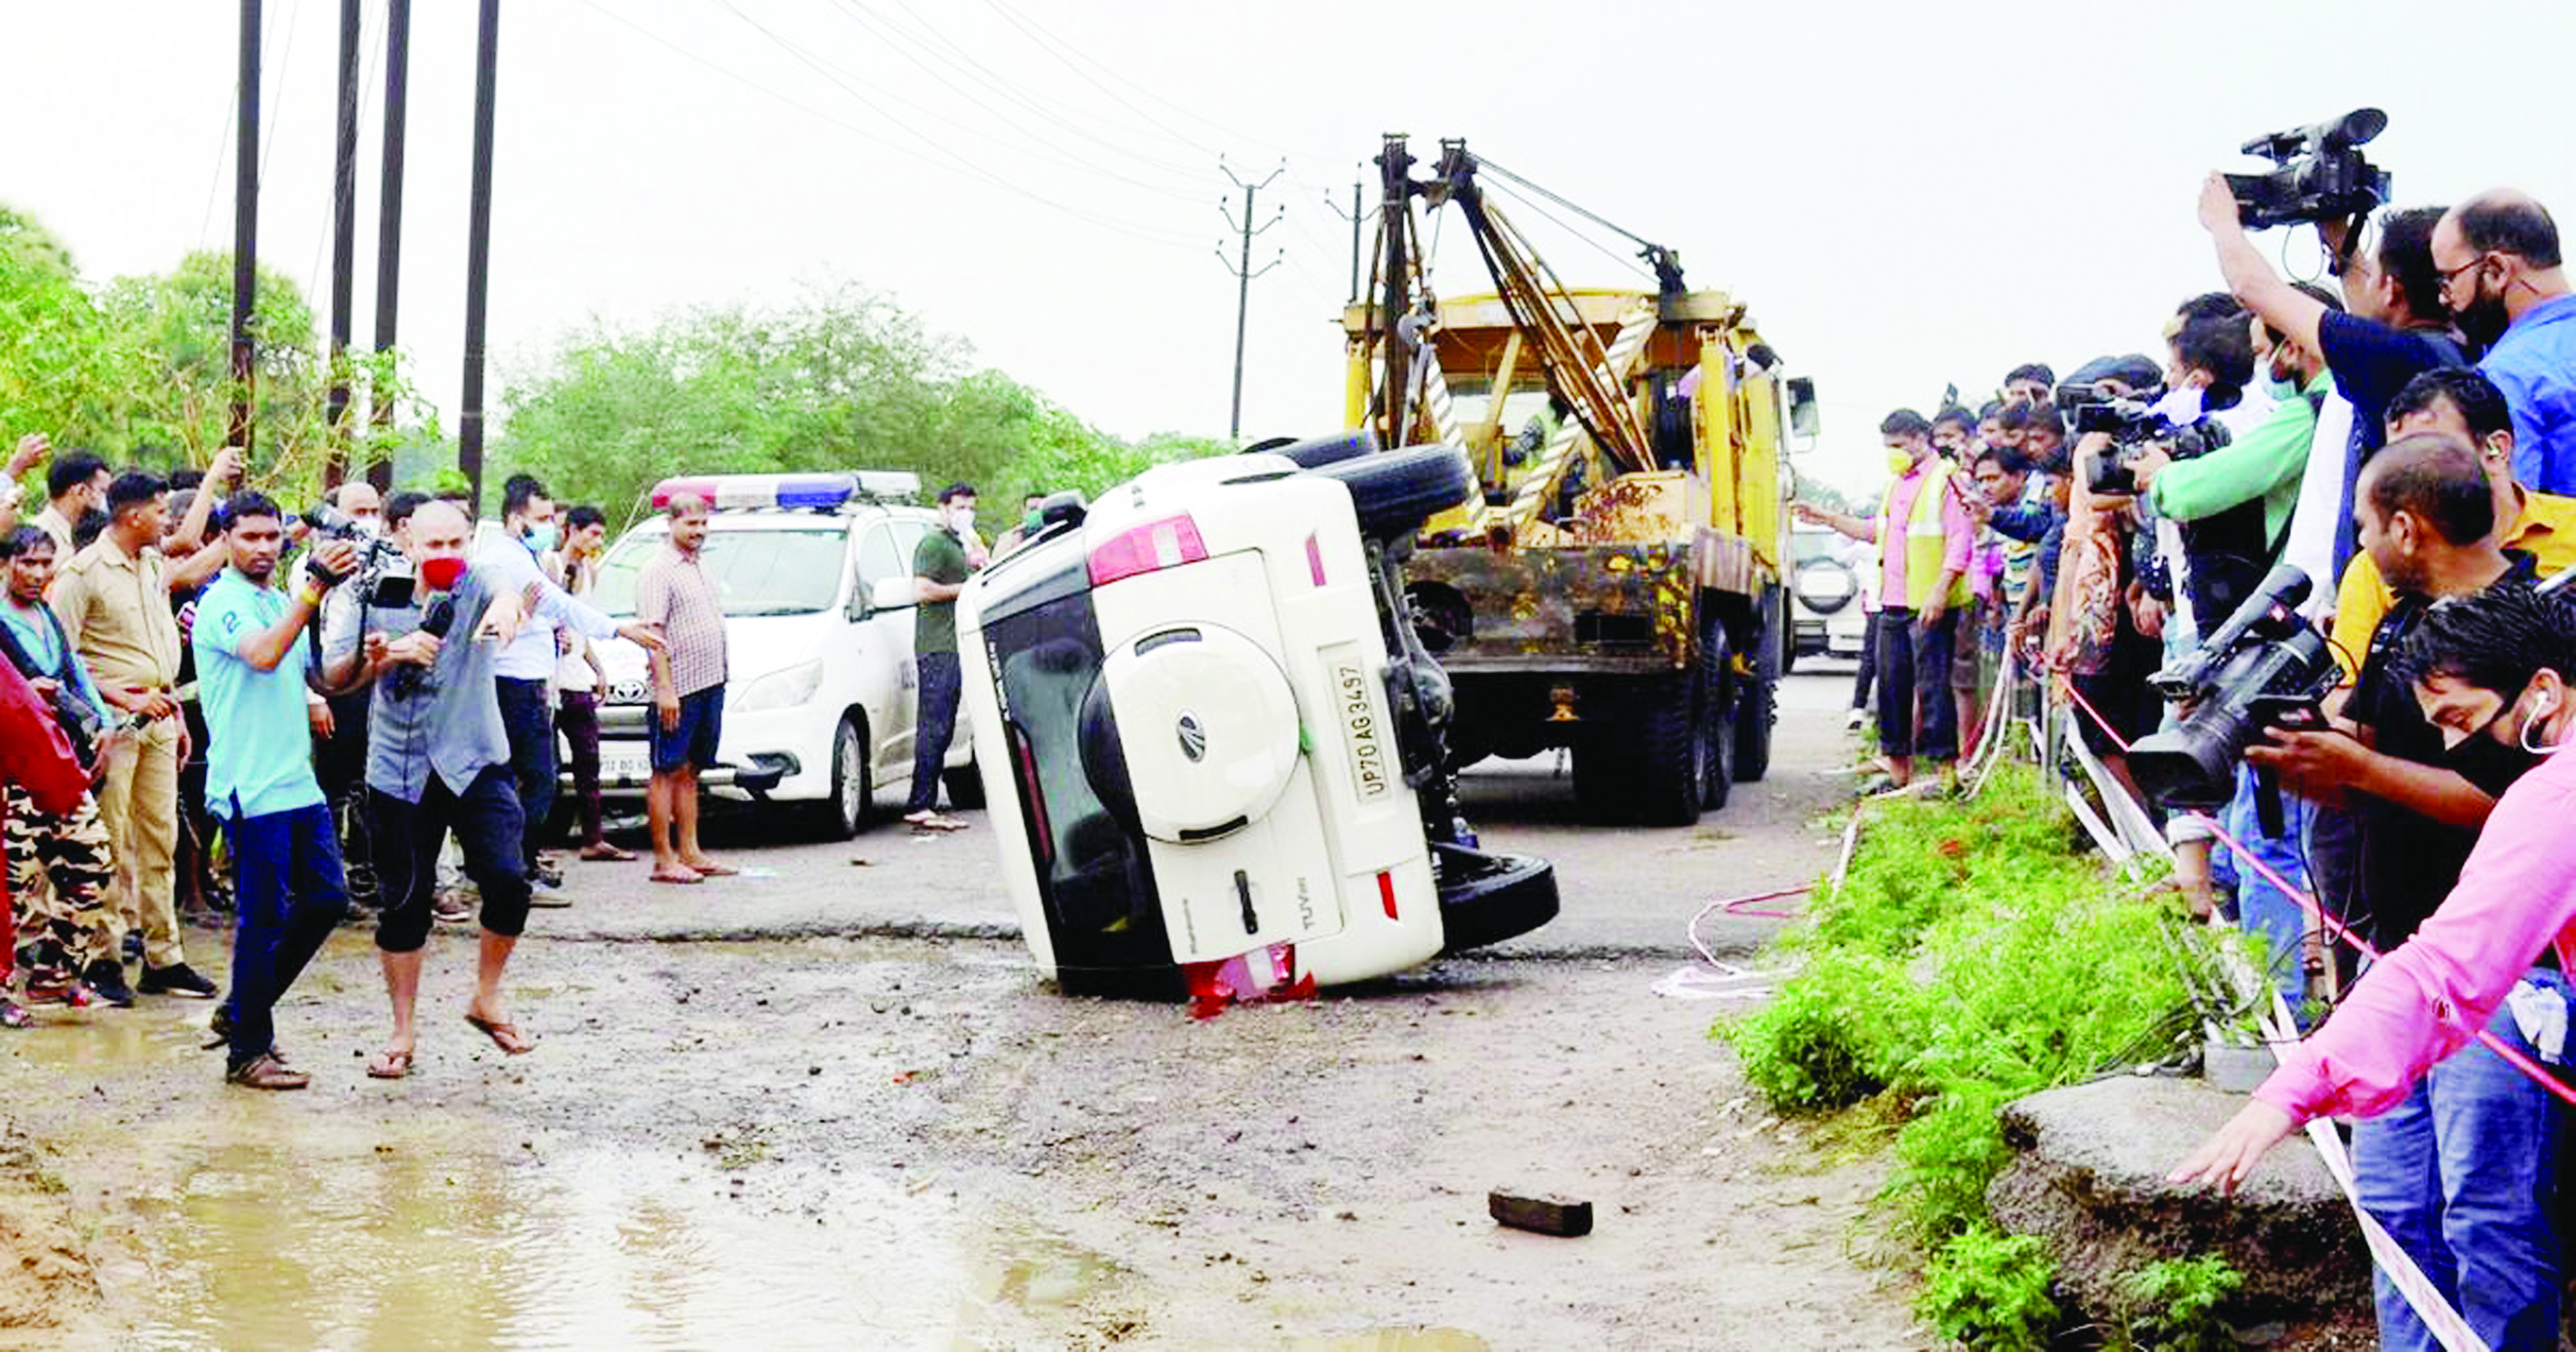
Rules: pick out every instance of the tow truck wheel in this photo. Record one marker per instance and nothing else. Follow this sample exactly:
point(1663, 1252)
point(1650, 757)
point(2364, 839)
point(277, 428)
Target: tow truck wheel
point(1671, 745)
point(1718, 715)
point(853, 786)
point(1757, 706)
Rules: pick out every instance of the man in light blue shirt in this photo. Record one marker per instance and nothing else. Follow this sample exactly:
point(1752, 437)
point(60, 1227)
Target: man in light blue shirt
point(259, 778)
point(2505, 285)
point(524, 668)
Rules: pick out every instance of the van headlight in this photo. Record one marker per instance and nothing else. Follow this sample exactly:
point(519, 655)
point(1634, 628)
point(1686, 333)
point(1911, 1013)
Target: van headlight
point(783, 689)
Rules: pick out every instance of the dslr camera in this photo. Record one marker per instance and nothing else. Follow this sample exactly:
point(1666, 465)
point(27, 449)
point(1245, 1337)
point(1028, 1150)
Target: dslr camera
point(2264, 668)
point(2320, 173)
point(383, 574)
point(2133, 425)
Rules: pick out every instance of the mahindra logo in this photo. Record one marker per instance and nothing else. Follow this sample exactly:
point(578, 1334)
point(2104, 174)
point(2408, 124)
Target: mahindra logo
point(1193, 738)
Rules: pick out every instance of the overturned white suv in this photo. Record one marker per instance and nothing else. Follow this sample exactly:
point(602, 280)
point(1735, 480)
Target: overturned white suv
point(1209, 733)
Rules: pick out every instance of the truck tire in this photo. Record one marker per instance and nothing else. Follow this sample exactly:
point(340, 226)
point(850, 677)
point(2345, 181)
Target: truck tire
point(1785, 615)
point(1396, 491)
point(1757, 707)
point(1717, 714)
point(1669, 747)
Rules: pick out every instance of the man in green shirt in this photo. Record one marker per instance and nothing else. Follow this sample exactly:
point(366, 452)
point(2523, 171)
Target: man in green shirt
point(2234, 503)
point(940, 567)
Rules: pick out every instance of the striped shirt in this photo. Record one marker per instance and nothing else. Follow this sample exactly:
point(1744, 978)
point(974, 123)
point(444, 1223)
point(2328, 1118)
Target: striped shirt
point(674, 595)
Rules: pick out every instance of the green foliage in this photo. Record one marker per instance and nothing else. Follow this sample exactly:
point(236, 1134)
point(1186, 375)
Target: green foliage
point(839, 379)
point(1828, 1040)
point(1970, 959)
point(2173, 1306)
point(1989, 1291)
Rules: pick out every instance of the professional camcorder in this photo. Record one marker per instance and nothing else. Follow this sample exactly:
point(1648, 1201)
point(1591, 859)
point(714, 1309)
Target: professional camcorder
point(383, 574)
point(2265, 668)
point(2133, 424)
point(2321, 177)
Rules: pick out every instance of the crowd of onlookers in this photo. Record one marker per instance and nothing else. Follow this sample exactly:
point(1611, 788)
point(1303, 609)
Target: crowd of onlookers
point(2407, 441)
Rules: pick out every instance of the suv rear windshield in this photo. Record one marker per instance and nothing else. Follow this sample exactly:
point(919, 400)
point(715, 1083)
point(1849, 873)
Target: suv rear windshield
point(1093, 873)
point(755, 572)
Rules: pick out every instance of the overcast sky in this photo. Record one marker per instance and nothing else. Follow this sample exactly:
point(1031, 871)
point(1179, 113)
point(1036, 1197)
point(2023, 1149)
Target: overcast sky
point(1908, 195)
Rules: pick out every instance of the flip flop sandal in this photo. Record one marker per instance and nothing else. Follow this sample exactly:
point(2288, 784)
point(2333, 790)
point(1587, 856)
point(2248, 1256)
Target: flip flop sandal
point(389, 1065)
point(503, 1035)
point(677, 881)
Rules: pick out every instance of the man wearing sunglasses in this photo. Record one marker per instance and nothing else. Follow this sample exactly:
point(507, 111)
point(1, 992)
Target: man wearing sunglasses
point(2502, 281)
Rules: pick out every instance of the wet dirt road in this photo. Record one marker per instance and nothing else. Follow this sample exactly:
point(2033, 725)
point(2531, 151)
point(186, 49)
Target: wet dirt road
point(901, 1139)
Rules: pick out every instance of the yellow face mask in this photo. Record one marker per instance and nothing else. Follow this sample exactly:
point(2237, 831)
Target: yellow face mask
point(1898, 462)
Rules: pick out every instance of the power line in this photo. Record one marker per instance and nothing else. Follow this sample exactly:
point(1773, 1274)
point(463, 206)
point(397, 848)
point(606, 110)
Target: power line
point(1003, 86)
point(952, 159)
point(1038, 33)
point(1044, 143)
point(866, 135)
point(275, 105)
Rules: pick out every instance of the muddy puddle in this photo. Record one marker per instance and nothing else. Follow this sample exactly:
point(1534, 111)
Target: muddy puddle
point(413, 1245)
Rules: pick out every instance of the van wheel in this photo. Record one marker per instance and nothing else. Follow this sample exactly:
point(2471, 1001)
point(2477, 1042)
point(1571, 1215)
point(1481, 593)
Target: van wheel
point(840, 816)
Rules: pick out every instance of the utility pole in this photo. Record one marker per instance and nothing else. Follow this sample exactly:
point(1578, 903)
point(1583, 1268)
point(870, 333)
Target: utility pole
point(1243, 274)
point(1393, 162)
point(380, 467)
point(245, 230)
point(344, 247)
point(1353, 216)
point(478, 255)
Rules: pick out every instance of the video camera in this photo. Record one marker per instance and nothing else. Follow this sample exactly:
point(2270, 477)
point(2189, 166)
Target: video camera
point(2322, 175)
point(383, 574)
point(2132, 424)
point(2264, 668)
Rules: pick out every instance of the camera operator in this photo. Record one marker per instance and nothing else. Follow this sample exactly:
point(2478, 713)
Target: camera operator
point(2393, 325)
point(2428, 1169)
point(2503, 282)
point(438, 759)
point(1923, 566)
point(2491, 674)
point(2234, 504)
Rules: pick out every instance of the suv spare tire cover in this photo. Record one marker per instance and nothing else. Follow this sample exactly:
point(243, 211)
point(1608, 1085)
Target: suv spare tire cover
point(1209, 727)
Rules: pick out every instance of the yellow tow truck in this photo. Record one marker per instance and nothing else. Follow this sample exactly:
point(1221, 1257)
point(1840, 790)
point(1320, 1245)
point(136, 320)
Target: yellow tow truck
point(1616, 584)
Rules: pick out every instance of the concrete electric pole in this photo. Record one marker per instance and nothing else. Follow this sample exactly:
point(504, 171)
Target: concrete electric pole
point(1244, 272)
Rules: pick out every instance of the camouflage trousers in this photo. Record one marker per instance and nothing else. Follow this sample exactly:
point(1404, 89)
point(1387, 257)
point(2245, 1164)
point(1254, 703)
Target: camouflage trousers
point(59, 872)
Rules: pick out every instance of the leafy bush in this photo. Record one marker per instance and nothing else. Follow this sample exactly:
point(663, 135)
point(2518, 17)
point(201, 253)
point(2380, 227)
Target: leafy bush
point(1988, 1290)
point(1829, 1040)
point(2173, 1305)
point(1971, 958)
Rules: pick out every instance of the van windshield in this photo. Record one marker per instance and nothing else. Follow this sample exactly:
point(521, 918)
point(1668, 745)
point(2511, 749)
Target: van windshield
point(755, 572)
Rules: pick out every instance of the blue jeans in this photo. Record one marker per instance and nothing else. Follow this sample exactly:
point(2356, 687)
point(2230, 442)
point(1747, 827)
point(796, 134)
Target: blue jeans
point(936, 727)
point(529, 721)
point(1915, 715)
point(289, 893)
point(2461, 1173)
point(2262, 908)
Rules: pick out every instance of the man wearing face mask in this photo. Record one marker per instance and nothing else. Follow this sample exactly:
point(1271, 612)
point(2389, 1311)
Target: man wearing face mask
point(940, 566)
point(525, 667)
point(2392, 327)
point(2493, 669)
point(2432, 1169)
point(438, 759)
point(1924, 538)
point(2501, 277)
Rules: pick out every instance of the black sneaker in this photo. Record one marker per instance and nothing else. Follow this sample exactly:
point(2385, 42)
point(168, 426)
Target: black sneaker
point(106, 981)
point(176, 979)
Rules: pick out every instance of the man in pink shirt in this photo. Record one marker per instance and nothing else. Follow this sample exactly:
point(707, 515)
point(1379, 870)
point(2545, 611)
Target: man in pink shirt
point(2492, 956)
point(1924, 538)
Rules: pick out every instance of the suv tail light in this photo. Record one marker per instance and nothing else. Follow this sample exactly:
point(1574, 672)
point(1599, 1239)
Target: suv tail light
point(1167, 543)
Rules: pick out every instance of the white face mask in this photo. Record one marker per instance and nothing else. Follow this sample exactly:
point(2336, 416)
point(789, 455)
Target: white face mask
point(961, 519)
point(2181, 405)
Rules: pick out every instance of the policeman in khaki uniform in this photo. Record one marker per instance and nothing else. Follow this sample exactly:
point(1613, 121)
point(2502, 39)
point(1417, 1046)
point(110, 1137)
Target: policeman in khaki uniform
point(114, 602)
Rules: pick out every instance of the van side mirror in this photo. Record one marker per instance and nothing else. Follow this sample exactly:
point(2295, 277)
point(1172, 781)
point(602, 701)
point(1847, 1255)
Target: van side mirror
point(891, 593)
point(1803, 417)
